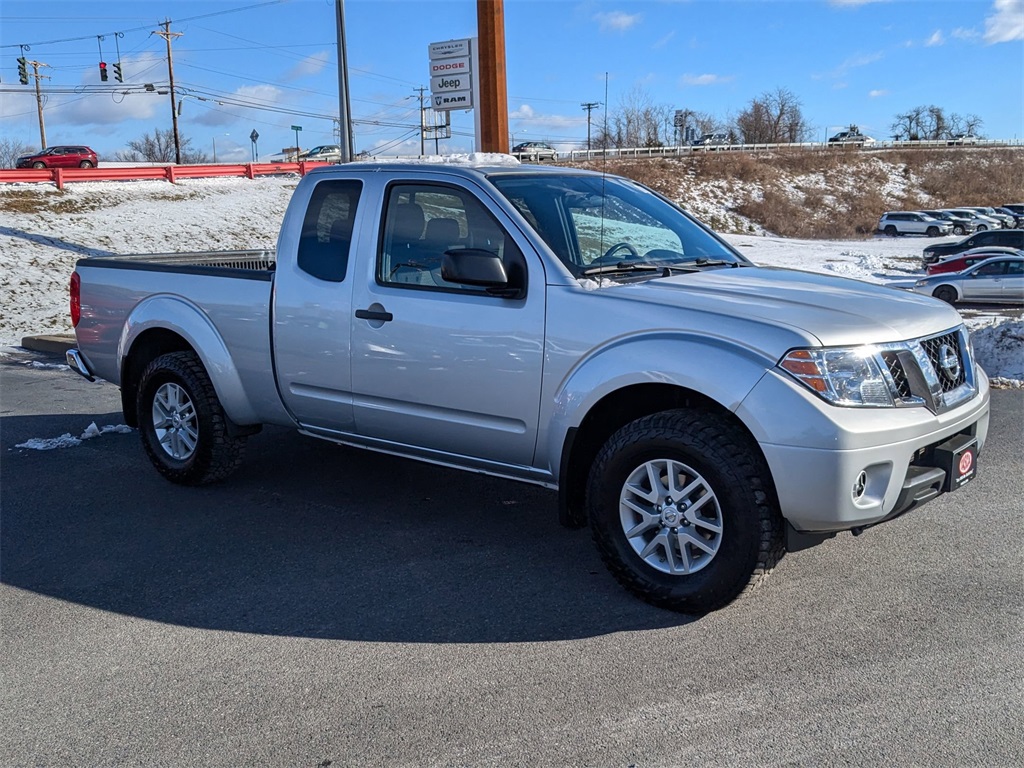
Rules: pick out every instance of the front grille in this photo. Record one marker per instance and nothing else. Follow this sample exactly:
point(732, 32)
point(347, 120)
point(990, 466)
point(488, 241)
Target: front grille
point(947, 360)
point(899, 375)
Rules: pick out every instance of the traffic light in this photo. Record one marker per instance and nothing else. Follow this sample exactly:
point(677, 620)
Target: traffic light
point(103, 71)
point(117, 72)
point(22, 70)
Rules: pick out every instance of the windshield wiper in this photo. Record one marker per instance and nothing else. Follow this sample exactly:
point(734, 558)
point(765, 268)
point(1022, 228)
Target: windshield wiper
point(622, 266)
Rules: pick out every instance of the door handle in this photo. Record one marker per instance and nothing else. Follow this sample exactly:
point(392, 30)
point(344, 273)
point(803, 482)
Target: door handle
point(370, 314)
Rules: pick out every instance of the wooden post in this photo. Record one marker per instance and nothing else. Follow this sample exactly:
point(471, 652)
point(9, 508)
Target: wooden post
point(493, 96)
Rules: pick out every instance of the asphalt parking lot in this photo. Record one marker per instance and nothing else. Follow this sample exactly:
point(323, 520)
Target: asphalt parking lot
point(329, 606)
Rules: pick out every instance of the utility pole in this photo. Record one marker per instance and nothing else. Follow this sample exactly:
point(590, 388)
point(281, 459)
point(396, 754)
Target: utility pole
point(423, 120)
point(590, 106)
point(39, 99)
point(490, 24)
point(166, 34)
point(344, 109)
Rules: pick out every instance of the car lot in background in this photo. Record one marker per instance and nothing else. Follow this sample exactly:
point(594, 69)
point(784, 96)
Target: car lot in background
point(969, 258)
point(1011, 238)
point(999, 280)
point(534, 150)
point(1017, 215)
point(70, 156)
point(895, 223)
point(961, 225)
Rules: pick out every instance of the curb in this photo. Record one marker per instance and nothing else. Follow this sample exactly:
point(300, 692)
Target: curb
point(56, 344)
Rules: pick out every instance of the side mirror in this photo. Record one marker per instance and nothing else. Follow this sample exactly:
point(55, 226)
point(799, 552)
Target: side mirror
point(476, 266)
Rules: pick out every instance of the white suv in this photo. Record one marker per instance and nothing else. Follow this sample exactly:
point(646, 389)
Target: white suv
point(895, 223)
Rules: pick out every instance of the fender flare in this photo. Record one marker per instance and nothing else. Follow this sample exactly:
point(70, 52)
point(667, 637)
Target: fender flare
point(173, 313)
point(728, 370)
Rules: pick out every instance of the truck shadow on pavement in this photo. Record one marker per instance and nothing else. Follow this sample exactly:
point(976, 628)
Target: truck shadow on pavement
point(307, 539)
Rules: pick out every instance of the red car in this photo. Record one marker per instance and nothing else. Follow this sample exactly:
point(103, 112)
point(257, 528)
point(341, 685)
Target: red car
point(962, 261)
point(60, 157)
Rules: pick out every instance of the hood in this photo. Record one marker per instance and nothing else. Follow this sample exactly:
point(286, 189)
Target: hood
point(837, 311)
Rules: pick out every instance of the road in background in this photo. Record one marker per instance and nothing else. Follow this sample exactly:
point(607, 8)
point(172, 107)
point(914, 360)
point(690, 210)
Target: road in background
point(329, 604)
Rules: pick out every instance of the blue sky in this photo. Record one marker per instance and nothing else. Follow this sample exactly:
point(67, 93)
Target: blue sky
point(848, 61)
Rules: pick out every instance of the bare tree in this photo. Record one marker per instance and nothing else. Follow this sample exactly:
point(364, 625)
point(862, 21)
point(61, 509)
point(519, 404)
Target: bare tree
point(774, 117)
point(931, 123)
point(694, 122)
point(637, 122)
point(159, 148)
point(11, 150)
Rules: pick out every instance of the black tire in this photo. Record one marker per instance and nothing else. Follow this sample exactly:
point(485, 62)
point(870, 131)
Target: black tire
point(945, 293)
point(982, 228)
point(717, 458)
point(214, 453)
point(38, 164)
point(958, 229)
point(85, 164)
point(933, 231)
point(890, 230)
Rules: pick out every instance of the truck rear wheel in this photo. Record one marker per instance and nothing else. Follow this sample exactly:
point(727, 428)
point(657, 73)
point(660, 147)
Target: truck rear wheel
point(682, 511)
point(183, 426)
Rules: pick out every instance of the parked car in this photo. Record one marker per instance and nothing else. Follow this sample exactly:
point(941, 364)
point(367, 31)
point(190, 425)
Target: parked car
point(1013, 238)
point(1017, 208)
point(328, 153)
point(1018, 215)
point(711, 140)
point(961, 225)
point(962, 139)
point(969, 258)
point(895, 223)
point(981, 221)
point(534, 150)
point(75, 156)
point(999, 280)
point(1007, 221)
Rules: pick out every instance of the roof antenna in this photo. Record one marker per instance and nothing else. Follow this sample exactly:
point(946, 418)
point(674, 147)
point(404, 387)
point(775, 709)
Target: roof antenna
point(604, 162)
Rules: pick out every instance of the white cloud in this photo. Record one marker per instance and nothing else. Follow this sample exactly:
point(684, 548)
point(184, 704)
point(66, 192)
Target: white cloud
point(528, 118)
point(525, 112)
point(935, 39)
point(310, 65)
point(1006, 22)
point(860, 60)
point(705, 79)
point(617, 21)
point(878, 92)
point(854, 3)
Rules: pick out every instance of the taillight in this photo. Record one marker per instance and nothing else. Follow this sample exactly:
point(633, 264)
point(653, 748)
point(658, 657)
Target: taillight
point(76, 299)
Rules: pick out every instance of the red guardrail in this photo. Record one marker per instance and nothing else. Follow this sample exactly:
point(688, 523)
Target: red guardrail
point(171, 173)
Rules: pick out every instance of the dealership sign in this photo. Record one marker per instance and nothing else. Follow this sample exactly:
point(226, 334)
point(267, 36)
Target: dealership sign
point(451, 75)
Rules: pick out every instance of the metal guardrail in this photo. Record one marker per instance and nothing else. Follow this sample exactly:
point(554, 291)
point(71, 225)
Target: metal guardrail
point(641, 152)
point(171, 173)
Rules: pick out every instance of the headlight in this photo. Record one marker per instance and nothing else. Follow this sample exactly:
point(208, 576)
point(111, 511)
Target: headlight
point(843, 376)
point(920, 283)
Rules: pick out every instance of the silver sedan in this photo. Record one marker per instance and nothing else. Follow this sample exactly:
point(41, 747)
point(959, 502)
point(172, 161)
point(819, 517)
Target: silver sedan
point(999, 280)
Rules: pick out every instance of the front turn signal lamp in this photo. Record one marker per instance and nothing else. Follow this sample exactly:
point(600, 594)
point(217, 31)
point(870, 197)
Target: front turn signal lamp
point(848, 376)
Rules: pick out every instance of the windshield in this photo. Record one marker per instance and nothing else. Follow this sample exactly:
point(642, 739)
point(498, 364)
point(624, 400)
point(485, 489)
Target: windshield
point(592, 222)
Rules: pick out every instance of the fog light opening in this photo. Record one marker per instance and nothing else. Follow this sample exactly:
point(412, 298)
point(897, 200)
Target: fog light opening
point(860, 486)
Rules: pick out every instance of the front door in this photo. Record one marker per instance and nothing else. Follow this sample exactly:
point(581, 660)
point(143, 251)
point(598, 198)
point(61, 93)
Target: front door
point(444, 367)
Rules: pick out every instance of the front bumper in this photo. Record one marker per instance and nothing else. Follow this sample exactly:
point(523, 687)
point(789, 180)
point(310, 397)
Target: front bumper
point(838, 469)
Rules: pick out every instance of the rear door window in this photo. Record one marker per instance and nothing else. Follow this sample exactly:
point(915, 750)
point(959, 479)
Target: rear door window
point(327, 230)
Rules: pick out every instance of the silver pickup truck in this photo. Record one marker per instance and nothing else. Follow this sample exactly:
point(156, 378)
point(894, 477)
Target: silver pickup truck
point(558, 327)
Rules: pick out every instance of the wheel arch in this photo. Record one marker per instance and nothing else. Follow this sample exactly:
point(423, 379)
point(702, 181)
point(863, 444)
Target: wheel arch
point(608, 415)
point(163, 324)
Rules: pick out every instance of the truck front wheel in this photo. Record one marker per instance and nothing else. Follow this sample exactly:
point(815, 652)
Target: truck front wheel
point(682, 511)
point(183, 426)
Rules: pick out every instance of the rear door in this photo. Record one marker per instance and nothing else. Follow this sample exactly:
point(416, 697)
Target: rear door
point(1013, 284)
point(313, 310)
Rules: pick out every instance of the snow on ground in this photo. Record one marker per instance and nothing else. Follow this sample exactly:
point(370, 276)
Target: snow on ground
point(44, 231)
